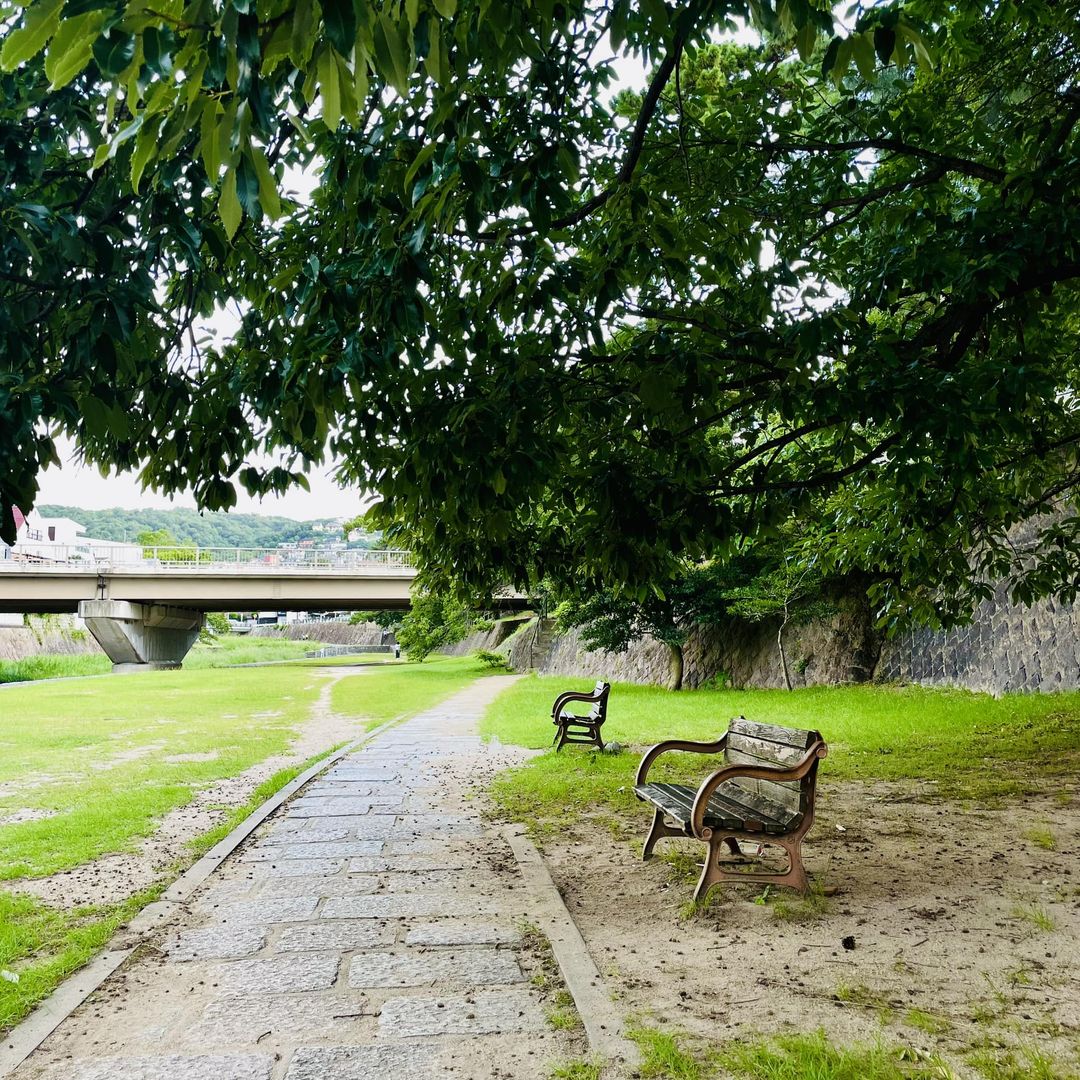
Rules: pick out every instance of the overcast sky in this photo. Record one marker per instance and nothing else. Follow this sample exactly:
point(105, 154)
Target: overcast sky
point(76, 485)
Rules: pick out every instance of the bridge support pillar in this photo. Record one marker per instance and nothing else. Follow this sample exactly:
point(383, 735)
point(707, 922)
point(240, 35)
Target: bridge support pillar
point(141, 637)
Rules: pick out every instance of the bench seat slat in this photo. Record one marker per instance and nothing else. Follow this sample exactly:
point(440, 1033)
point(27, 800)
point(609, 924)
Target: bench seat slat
point(727, 809)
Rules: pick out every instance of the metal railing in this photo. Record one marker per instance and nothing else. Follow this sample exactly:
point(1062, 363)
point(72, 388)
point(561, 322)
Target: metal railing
point(328, 651)
point(129, 558)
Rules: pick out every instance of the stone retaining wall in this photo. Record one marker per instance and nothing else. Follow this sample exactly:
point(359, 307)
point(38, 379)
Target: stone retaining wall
point(486, 639)
point(55, 635)
point(1006, 648)
point(330, 633)
point(837, 650)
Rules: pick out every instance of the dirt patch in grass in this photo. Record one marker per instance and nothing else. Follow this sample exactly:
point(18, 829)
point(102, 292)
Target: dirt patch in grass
point(965, 924)
point(112, 878)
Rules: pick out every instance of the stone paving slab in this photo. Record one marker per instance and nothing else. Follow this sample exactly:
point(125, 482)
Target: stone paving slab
point(461, 932)
point(405, 905)
point(165, 1067)
point(262, 912)
point(286, 868)
point(442, 860)
point(316, 849)
point(241, 1020)
point(485, 1013)
point(338, 827)
point(366, 1063)
point(215, 943)
point(468, 967)
point(338, 936)
point(330, 807)
point(345, 790)
point(278, 974)
point(336, 885)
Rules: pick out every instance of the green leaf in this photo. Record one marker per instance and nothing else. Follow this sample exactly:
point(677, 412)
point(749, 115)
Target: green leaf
point(38, 26)
point(829, 59)
point(247, 189)
point(329, 89)
point(884, 43)
point(145, 146)
point(862, 46)
point(268, 192)
point(806, 39)
point(392, 53)
point(229, 208)
point(71, 48)
point(208, 141)
point(114, 51)
point(339, 17)
point(446, 8)
point(433, 62)
point(303, 32)
point(418, 163)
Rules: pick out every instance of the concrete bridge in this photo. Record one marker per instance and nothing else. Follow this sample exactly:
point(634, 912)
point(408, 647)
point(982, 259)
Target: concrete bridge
point(145, 606)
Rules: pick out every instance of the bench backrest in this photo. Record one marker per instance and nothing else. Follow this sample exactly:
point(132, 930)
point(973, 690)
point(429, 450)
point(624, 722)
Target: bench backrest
point(749, 743)
point(601, 691)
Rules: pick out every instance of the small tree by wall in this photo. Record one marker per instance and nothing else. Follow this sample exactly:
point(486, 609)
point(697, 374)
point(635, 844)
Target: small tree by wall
point(433, 621)
point(791, 593)
point(611, 621)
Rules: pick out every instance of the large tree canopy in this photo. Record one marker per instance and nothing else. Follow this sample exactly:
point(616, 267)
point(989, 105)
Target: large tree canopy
point(552, 327)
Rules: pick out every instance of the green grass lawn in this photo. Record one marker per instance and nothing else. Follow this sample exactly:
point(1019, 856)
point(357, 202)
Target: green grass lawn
point(93, 754)
point(403, 689)
point(84, 764)
point(971, 745)
point(225, 652)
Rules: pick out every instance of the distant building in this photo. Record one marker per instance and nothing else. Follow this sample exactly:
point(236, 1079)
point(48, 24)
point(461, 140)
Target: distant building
point(46, 538)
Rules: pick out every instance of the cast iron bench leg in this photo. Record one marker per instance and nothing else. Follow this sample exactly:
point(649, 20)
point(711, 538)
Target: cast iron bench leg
point(660, 829)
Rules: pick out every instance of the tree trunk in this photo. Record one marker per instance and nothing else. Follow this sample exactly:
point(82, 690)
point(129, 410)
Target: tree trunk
point(676, 670)
point(783, 653)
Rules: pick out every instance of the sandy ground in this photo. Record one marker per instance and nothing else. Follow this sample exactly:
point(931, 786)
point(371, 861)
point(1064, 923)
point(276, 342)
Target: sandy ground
point(953, 910)
point(112, 878)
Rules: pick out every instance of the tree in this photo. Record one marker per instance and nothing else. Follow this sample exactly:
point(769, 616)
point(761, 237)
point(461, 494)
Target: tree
point(384, 618)
point(790, 592)
point(559, 335)
point(611, 620)
point(216, 625)
point(432, 622)
point(160, 544)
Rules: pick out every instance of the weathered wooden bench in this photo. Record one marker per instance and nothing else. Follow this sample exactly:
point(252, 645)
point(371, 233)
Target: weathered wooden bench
point(764, 793)
point(572, 728)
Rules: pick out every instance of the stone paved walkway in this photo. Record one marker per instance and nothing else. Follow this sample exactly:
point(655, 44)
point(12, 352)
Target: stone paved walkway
point(368, 930)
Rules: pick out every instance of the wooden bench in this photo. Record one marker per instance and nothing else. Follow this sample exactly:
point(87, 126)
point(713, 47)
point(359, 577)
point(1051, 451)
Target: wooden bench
point(572, 728)
point(764, 793)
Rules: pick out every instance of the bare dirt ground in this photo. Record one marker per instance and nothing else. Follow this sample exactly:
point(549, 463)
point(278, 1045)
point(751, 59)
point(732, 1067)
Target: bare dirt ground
point(963, 928)
point(113, 878)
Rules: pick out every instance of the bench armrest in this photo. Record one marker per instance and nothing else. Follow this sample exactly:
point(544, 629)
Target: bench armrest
point(573, 695)
point(677, 744)
point(754, 772)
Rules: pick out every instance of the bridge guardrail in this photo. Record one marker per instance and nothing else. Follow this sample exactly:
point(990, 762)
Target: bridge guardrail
point(32, 558)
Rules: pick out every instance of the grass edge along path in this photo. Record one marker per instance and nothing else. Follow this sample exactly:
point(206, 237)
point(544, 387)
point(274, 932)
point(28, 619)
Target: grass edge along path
point(958, 743)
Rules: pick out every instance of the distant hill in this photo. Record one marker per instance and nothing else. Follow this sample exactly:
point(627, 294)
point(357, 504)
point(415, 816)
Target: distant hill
point(212, 529)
